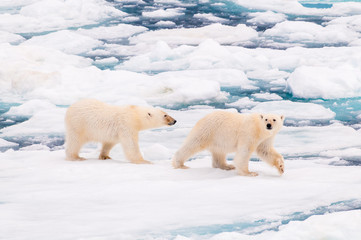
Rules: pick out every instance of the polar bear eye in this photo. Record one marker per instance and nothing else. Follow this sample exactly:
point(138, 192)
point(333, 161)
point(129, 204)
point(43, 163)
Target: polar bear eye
point(165, 115)
point(266, 119)
point(274, 120)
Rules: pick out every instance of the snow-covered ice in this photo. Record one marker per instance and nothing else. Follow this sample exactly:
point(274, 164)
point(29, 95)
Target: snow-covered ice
point(296, 58)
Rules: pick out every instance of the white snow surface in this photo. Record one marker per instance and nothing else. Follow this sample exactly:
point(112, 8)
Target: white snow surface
point(49, 15)
point(49, 53)
point(117, 199)
point(221, 33)
point(295, 110)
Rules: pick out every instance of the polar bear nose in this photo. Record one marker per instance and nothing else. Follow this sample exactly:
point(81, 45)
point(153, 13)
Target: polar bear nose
point(269, 126)
point(172, 123)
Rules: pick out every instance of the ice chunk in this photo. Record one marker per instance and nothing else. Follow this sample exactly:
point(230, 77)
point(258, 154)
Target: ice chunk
point(7, 144)
point(218, 32)
point(295, 110)
point(50, 121)
point(48, 15)
point(353, 22)
point(348, 153)
point(301, 141)
point(242, 103)
point(210, 17)
point(336, 226)
point(30, 107)
point(156, 152)
point(296, 8)
point(165, 91)
point(35, 147)
point(266, 18)
point(110, 60)
point(310, 33)
point(164, 13)
point(324, 82)
point(6, 37)
point(112, 32)
point(165, 24)
point(66, 41)
point(208, 55)
point(266, 96)
point(268, 74)
point(226, 77)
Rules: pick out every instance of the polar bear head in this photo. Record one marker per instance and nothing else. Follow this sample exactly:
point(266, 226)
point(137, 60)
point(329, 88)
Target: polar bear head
point(156, 117)
point(272, 122)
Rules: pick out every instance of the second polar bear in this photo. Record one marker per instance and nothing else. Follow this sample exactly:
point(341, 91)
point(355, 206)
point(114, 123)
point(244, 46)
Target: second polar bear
point(91, 120)
point(224, 132)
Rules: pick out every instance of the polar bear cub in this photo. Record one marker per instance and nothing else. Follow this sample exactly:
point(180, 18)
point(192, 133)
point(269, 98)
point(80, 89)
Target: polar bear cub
point(224, 132)
point(90, 120)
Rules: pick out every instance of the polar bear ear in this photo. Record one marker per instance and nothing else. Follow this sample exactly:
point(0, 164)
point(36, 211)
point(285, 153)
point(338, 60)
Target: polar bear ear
point(282, 117)
point(261, 116)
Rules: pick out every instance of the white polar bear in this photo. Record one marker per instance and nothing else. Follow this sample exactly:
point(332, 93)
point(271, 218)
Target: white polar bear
point(224, 132)
point(91, 120)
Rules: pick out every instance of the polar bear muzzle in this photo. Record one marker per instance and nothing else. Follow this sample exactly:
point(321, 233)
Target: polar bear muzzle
point(169, 120)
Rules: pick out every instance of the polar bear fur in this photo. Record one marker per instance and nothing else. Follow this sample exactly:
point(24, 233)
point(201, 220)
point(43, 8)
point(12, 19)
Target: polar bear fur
point(90, 120)
point(224, 132)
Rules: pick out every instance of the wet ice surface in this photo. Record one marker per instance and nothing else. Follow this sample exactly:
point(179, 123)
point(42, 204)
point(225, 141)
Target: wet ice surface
point(301, 59)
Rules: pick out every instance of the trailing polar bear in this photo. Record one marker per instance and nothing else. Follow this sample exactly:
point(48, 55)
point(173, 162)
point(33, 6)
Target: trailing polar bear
point(90, 120)
point(224, 132)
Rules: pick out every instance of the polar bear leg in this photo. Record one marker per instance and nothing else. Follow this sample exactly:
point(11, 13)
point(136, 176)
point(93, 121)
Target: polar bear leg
point(241, 161)
point(104, 154)
point(184, 153)
point(219, 161)
point(131, 150)
point(269, 155)
point(72, 148)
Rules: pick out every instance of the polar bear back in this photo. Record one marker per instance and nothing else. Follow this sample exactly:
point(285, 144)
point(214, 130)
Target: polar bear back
point(223, 131)
point(93, 120)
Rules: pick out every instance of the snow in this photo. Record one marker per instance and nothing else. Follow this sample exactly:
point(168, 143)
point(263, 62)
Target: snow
point(221, 33)
point(163, 13)
point(242, 103)
point(295, 110)
point(209, 17)
point(335, 226)
point(145, 199)
point(325, 82)
point(49, 15)
point(66, 41)
point(6, 37)
point(307, 32)
point(268, 17)
point(30, 107)
point(296, 8)
point(267, 96)
point(190, 59)
point(113, 32)
point(165, 24)
point(4, 143)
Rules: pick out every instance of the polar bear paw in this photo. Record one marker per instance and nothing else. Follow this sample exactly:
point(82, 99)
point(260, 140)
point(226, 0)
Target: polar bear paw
point(104, 157)
point(227, 167)
point(179, 165)
point(142, 162)
point(247, 173)
point(280, 165)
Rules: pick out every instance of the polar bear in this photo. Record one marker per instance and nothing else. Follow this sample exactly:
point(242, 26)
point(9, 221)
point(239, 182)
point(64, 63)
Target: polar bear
point(91, 120)
point(223, 132)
